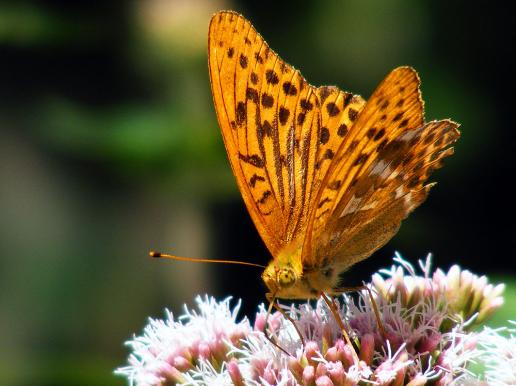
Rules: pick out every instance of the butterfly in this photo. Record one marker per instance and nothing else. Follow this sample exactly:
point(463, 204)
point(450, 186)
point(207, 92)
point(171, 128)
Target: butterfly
point(326, 176)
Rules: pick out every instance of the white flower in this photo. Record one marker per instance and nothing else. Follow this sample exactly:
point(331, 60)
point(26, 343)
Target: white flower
point(498, 353)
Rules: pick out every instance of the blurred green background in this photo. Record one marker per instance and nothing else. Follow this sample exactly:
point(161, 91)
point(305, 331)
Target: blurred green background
point(109, 147)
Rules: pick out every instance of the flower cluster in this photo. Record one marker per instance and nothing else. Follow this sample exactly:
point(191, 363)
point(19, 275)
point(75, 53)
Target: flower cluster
point(172, 352)
point(427, 337)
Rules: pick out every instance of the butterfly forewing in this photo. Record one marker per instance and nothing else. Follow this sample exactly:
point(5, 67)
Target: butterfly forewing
point(278, 140)
point(226, 34)
point(338, 110)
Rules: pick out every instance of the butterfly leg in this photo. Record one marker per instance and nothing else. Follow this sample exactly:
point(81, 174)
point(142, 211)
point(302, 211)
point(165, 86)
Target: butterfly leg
point(272, 303)
point(334, 310)
point(341, 290)
point(286, 316)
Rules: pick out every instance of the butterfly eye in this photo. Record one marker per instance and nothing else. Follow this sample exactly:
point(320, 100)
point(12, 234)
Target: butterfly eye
point(286, 277)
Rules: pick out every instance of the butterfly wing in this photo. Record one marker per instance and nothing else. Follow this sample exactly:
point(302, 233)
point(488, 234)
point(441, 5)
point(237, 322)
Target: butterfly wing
point(273, 128)
point(338, 110)
point(378, 174)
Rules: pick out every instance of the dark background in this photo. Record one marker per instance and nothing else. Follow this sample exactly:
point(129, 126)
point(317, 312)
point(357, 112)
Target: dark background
point(109, 147)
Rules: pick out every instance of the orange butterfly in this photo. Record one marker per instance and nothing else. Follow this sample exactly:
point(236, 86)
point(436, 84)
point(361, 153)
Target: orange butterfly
point(326, 176)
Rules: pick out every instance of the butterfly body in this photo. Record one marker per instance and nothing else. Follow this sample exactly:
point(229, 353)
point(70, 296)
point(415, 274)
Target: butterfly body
point(327, 177)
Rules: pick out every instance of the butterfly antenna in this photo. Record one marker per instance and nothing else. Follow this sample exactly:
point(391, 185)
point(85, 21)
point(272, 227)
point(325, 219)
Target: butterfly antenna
point(159, 255)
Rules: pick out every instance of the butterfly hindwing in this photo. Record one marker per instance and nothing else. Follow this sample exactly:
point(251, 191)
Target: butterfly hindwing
point(381, 169)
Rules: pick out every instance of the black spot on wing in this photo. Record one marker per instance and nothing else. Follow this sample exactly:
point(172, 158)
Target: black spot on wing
point(264, 130)
point(283, 115)
point(254, 160)
point(254, 179)
point(347, 99)
point(361, 159)
point(343, 130)
point(397, 117)
point(322, 202)
point(332, 109)
point(289, 89)
point(352, 114)
point(371, 132)
point(241, 113)
point(324, 135)
point(379, 135)
point(243, 61)
point(306, 105)
point(252, 94)
point(267, 100)
point(325, 92)
point(259, 59)
point(265, 196)
point(271, 77)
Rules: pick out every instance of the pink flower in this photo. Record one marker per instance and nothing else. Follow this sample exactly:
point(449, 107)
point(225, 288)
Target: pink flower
point(428, 336)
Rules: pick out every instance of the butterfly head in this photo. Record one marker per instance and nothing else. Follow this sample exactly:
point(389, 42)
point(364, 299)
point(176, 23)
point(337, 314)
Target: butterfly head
point(283, 275)
point(279, 278)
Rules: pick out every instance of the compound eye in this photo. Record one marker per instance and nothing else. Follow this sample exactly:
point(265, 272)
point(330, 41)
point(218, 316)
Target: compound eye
point(286, 277)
